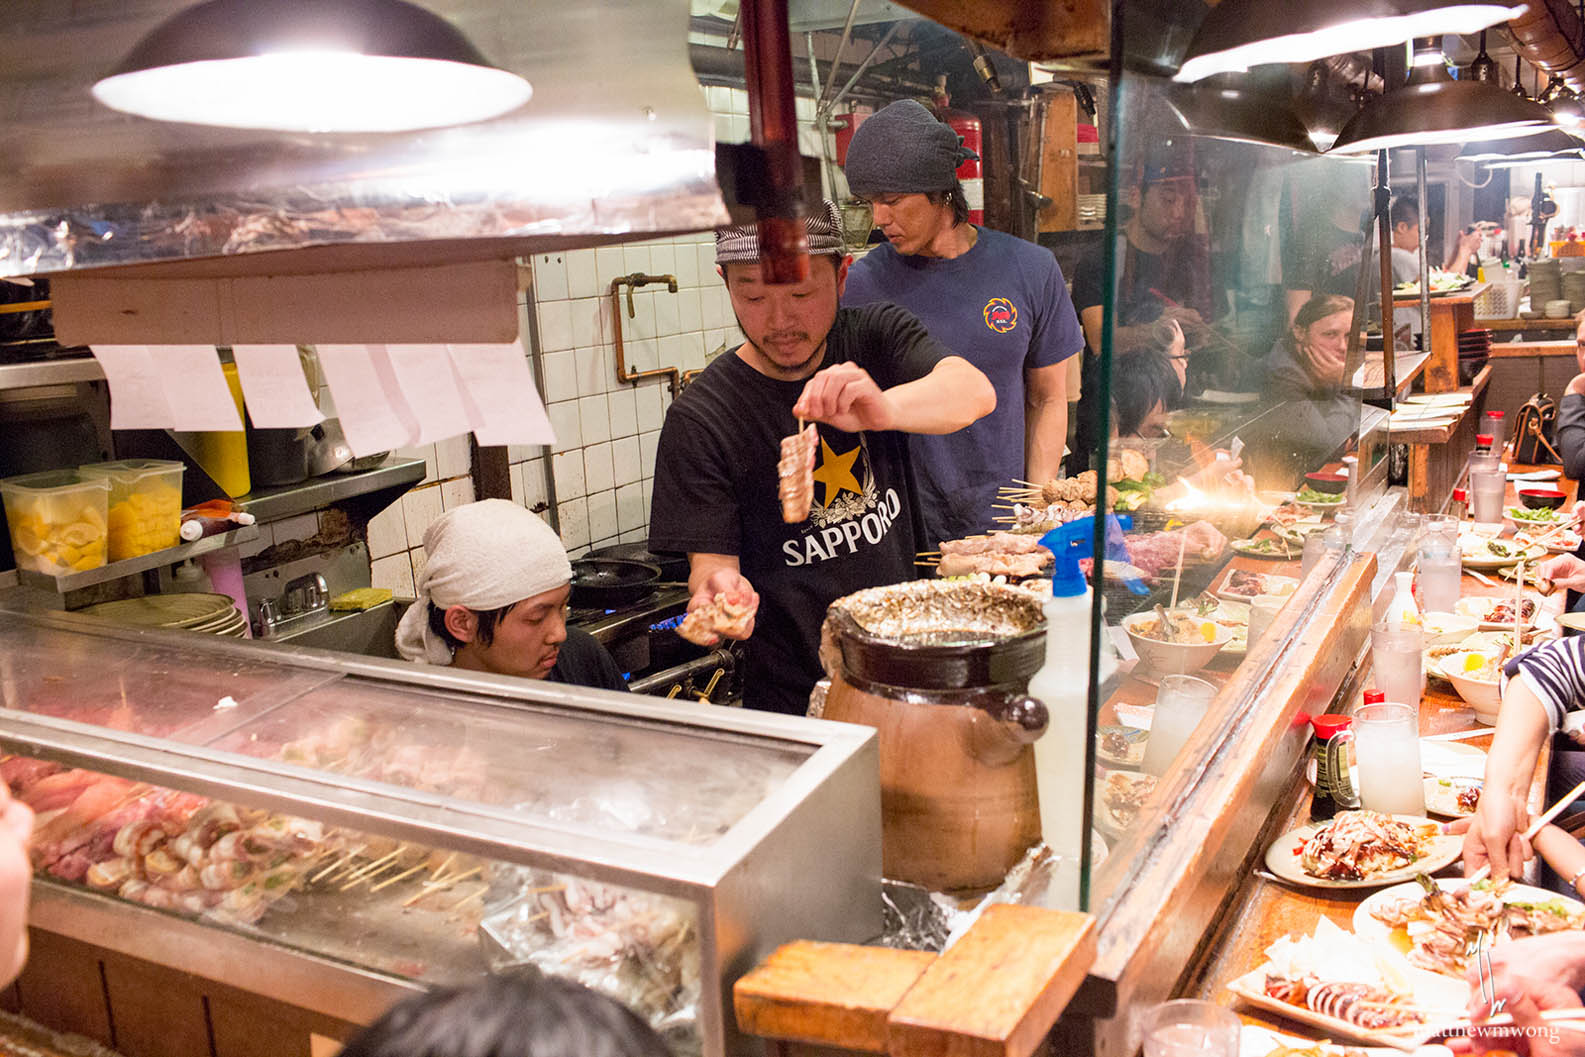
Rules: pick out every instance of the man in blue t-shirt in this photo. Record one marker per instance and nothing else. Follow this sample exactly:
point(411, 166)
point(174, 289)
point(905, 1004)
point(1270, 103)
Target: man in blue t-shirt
point(995, 300)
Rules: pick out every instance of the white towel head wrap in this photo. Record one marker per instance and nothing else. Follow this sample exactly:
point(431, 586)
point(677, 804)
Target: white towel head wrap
point(484, 556)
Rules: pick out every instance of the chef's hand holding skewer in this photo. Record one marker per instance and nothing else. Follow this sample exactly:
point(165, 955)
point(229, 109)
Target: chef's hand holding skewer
point(845, 396)
point(16, 879)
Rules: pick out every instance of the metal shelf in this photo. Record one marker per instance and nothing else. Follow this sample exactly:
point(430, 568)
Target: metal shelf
point(142, 563)
point(50, 372)
point(272, 504)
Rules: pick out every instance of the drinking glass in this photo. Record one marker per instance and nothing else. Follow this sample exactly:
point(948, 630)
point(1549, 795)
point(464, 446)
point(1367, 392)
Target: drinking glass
point(1489, 461)
point(1487, 489)
point(1262, 611)
point(1441, 580)
point(1399, 661)
point(1386, 770)
point(1181, 701)
point(1187, 1027)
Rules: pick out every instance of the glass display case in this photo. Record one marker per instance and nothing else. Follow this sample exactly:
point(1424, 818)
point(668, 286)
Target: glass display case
point(1241, 344)
point(333, 832)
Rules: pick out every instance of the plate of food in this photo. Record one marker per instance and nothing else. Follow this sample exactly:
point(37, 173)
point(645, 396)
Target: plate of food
point(1540, 517)
point(1452, 797)
point(1431, 930)
point(1119, 798)
point(1243, 585)
point(1489, 552)
point(1121, 746)
point(1497, 614)
point(1278, 546)
point(1362, 849)
point(1348, 987)
point(1315, 500)
point(1442, 284)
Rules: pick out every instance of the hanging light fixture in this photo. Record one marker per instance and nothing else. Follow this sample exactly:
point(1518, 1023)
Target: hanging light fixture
point(1230, 108)
point(1518, 81)
point(1564, 104)
point(1238, 34)
point(1550, 143)
point(1483, 68)
point(1431, 107)
point(310, 66)
point(1322, 112)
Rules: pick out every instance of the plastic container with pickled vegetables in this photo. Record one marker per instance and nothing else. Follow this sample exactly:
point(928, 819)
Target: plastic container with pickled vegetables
point(57, 520)
point(145, 512)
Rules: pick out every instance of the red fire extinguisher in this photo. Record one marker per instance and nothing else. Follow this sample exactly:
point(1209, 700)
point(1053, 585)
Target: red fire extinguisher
point(971, 174)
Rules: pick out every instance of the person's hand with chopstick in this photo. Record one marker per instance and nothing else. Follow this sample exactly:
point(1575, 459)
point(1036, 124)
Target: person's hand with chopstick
point(1496, 839)
point(1525, 978)
point(1564, 570)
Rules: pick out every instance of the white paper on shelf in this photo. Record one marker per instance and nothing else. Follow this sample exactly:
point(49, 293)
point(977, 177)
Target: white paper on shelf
point(177, 387)
point(424, 375)
point(499, 394)
point(274, 387)
point(374, 417)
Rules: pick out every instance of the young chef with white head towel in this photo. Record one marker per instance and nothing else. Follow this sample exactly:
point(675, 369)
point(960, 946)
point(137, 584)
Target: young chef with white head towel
point(493, 598)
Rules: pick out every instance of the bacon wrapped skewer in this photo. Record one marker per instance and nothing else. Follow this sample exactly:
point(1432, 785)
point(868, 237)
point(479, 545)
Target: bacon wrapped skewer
point(795, 482)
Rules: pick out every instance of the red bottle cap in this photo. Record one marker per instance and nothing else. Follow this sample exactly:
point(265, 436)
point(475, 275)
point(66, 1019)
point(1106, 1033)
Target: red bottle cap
point(1484, 438)
point(1375, 697)
point(1460, 495)
point(1496, 414)
point(1328, 725)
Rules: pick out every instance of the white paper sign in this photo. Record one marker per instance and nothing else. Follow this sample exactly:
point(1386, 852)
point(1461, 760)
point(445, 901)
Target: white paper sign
point(373, 416)
point(274, 387)
point(499, 395)
point(424, 375)
point(178, 387)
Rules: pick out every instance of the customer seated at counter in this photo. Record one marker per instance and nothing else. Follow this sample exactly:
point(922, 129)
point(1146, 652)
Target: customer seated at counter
point(517, 1013)
point(493, 598)
point(1145, 387)
point(1543, 685)
point(1304, 370)
point(1571, 412)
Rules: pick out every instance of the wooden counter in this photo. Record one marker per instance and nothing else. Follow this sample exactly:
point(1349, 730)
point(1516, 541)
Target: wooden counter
point(1265, 910)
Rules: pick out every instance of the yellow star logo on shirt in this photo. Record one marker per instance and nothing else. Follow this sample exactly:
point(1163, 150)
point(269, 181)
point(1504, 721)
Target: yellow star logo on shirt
point(836, 472)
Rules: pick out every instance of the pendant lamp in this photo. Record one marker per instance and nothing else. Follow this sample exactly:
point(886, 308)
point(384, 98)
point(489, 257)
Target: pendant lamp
point(310, 66)
point(1483, 68)
point(1431, 108)
point(1564, 104)
point(1229, 108)
point(1548, 144)
point(1518, 82)
point(1238, 34)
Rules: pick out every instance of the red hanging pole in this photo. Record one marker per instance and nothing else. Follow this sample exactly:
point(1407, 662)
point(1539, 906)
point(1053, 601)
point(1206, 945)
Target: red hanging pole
point(773, 124)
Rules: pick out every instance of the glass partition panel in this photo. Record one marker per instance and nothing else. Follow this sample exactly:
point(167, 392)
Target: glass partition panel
point(1233, 396)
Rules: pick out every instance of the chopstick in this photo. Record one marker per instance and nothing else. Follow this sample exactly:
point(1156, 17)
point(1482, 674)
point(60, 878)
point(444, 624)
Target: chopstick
point(1535, 827)
point(1460, 735)
point(1485, 580)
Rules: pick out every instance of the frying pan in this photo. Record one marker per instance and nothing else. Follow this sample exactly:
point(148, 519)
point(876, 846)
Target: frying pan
point(610, 583)
point(673, 567)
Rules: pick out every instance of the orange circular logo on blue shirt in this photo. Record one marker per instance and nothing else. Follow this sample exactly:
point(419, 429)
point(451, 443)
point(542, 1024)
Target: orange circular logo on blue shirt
point(1000, 315)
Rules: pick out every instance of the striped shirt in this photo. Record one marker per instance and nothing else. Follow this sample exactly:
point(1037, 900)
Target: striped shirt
point(1555, 673)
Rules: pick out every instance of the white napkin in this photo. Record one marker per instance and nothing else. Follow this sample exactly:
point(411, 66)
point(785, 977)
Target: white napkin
point(1452, 760)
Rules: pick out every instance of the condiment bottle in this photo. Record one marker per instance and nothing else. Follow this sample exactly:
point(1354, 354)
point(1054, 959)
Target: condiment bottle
point(1483, 444)
point(1495, 424)
point(1323, 805)
point(1460, 504)
point(1062, 685)
point(1403, 609)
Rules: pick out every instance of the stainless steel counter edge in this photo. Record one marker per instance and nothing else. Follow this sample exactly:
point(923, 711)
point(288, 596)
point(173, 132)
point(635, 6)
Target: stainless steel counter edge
point(321, 985)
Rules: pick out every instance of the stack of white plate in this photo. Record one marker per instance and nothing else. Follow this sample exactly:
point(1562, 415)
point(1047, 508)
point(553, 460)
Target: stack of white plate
point(212, 614)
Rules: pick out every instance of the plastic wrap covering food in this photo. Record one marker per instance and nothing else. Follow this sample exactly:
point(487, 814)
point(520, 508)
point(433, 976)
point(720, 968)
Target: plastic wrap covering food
point(636, 947)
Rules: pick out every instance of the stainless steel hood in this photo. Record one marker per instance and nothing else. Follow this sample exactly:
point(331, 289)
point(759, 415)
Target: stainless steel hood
point(615, 144)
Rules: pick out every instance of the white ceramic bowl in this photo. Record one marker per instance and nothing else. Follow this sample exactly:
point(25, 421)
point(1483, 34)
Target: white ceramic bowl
point(1174, 658)
point(1485, 698)
point(1442, 629)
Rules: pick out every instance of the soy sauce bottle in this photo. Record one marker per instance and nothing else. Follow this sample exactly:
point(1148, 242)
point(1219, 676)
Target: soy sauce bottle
point(1322, 805)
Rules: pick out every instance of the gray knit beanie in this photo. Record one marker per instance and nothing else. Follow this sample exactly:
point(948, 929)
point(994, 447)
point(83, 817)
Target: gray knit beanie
point(903, 149)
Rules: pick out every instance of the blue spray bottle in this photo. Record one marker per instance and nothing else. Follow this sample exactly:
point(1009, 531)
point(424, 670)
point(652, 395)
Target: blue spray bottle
point(1062, 685)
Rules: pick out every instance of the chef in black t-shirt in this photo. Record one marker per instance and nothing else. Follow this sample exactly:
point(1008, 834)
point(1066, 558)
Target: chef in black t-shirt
point(493, 598)
point(866, 376)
